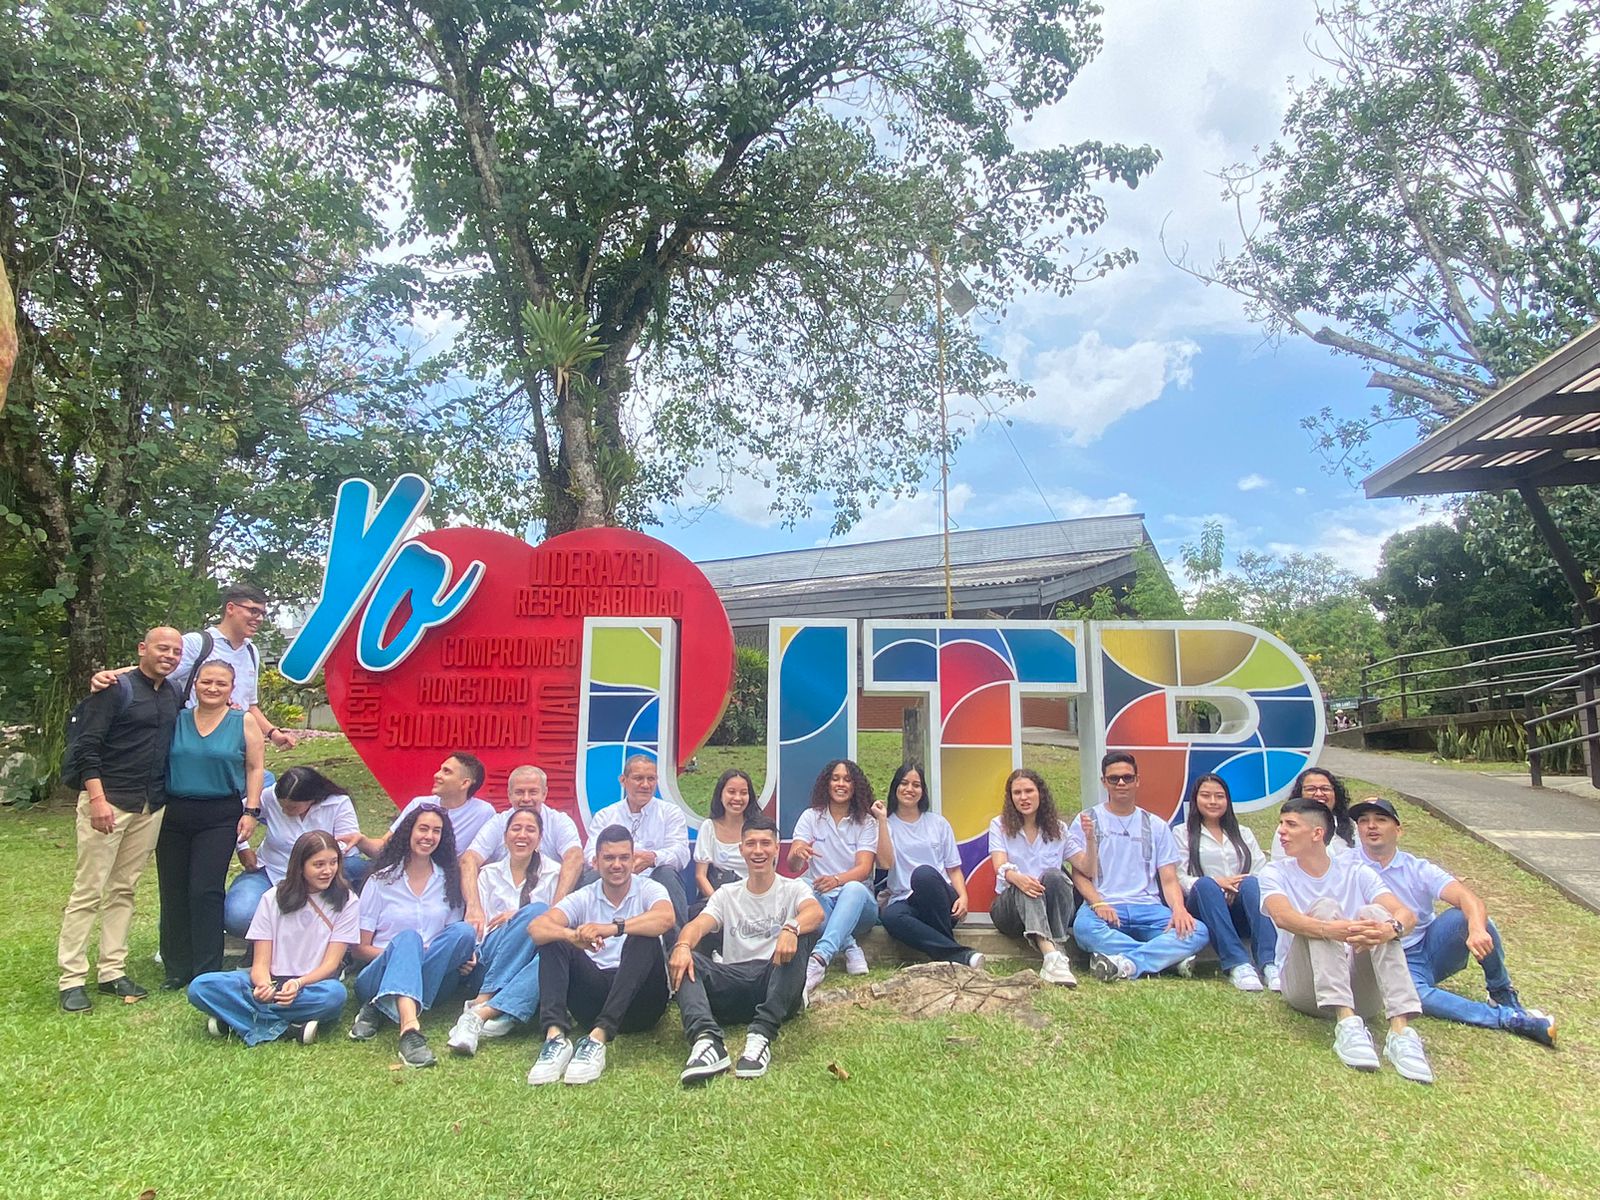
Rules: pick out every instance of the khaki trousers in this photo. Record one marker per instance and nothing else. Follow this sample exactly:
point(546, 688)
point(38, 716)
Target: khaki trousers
point(1320, 975)
point(109, 866)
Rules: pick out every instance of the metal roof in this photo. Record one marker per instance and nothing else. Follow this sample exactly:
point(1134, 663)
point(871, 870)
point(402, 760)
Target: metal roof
point(1542, 429)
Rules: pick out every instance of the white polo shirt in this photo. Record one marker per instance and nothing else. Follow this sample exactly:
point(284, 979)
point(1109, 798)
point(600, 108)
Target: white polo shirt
point(558, 834)
point(389, 906)
point(498, 892)
point(465, 821)
point(1125, 876)
point(300, 939)
point(588, 905)
point(1350, 883)
point(242, 660)
point(658, 826)
point(926, 842)
point(719, 854)
point(1417, 883)
point(334, 815)
point(1031, 858)
point(836, 842)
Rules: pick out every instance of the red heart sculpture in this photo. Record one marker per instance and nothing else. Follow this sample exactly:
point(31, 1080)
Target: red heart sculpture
point(502, 678)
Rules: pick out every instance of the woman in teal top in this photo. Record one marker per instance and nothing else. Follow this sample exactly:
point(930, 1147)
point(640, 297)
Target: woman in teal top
point(215, 760)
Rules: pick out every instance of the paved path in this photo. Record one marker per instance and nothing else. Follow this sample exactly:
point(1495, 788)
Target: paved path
point(1552, 832)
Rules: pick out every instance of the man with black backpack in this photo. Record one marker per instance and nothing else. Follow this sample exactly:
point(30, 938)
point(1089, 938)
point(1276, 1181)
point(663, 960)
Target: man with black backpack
point(117, 754)
point(244, 608)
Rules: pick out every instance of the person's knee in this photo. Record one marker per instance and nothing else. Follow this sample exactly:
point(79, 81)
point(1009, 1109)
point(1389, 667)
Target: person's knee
point(1324, 909)
point(927, 879)
point(855, 891)
point(1373, 912)
point(407, 941)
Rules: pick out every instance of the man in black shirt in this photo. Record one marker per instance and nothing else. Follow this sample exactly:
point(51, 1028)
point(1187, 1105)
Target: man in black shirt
point(122, 750)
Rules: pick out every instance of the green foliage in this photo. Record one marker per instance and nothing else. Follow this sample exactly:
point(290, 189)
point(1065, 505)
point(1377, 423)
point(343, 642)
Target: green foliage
point(1150, 597)
point(1509, 744)
point(740, 203)
point(744, 721)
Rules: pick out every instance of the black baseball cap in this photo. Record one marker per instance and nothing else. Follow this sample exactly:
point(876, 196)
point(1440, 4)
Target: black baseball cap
point(1377, 804)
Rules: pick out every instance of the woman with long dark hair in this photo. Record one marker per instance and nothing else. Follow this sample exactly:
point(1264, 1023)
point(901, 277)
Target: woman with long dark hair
point(413, 938)
point(299, 936)
point(717, 860)
point(1327, 789)
point(1033, 892)
point(512, 891)
point(837, 843)
point(926, 893)
point(1218, 862)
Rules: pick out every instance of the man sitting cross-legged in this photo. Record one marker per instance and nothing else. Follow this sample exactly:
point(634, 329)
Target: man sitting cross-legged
point(1339, 942)
point(769, 925)
point(1439, 946)
point(601, 962)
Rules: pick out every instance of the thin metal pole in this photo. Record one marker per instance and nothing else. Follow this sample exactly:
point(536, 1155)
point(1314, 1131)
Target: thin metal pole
point(944, 432)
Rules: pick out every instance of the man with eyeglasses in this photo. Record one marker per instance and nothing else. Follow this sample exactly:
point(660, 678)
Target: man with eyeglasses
point(244, 608)
point(1133, 920)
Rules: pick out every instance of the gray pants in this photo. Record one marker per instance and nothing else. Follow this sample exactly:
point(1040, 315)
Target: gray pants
point(1320, 975)
point(1046, 916)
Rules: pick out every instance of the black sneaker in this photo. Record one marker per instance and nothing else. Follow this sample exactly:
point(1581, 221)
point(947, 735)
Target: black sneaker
point(414, 1050)
point(368, 1020)
point(755, 1058)
point(708, 1058)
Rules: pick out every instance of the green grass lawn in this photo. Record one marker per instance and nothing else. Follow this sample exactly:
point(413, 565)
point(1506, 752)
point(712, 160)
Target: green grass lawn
point(1164, 1087)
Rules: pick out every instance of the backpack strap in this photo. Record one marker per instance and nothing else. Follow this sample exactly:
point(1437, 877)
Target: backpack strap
point(207, 643)
point(1099, 859)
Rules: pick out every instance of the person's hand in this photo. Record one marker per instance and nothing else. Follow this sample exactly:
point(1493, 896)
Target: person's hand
point(498, 920)
point(283, 739)
point(1340, 931)
point(788, 943)
point(643, 860)
point(1367, 934)
point(880, 810)
point(1107, 912)
point(1182, 922)
point(1086, 823)
point(247, 826)
point(264, 992)
point(1230, 885)
point(288, 990)
point(679, 963)
point(1026, 884)
point(467, 967)
point(102, 817)
point(1480, 943)
point(474, 917)
point(101, 680)
point(959, 908)
point(804, 852)
point(349, 840)
point(592, 935)
point(826, 884)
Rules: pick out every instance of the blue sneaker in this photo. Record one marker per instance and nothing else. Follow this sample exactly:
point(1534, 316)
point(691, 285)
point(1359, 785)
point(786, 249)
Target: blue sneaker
point(1531, 1024)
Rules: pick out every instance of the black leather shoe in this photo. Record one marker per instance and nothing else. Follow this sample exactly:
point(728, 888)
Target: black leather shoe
point(171, 984)
point(75, 999)
point(124, 987)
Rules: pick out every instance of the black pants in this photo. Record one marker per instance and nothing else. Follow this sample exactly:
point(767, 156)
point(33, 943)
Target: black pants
point(923, 921)
point(192, 854)
point(757, 992)
point(628, 998)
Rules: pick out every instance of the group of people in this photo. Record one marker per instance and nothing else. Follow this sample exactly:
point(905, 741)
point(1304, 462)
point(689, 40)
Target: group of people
point(514, 913)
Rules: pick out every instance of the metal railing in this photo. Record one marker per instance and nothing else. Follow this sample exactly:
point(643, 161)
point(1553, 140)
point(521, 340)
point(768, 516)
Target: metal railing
point(1584, 684)
point(1476, 676)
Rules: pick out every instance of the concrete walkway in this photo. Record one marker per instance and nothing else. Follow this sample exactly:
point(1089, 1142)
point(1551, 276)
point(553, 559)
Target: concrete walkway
point(1553, 832)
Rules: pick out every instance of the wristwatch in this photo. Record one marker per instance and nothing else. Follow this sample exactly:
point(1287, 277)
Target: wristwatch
point(254, 813)
point(1399, 929)
point(621, 928)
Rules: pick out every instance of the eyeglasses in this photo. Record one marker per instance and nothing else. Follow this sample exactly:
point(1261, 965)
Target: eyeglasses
point(1316, 789)
point(251, 610)
point(1120, 780)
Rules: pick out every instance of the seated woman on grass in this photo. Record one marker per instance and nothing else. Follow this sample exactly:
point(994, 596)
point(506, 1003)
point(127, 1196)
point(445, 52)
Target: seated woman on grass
point(414, 942)
point(927, 890)
point(301, 800)
point(1218, 861)
point(717, 860)
point(1327, 789)
point(299, 936)
point(1033, 894)
point(512, 891)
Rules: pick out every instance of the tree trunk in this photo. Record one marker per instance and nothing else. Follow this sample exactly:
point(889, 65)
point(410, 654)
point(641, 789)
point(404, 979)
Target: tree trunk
point(8, 334)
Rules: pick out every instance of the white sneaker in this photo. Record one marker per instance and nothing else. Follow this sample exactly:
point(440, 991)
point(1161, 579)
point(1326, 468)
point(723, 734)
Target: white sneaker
point(215, 1028)
point(308, 1032)
point(499, 1026)
point(975, 960)
point(588, 1061)
point(1404, 1050)
point(1272, 977)
point(855, 960)
point(1245, 978)
point(709, 1057)
point(754, 1058)
point(815, 970)
point(464, 1034)
point(1186, 968)
point(1108, 968)
point(553, 1058)
point(1352, 1044)
point(1057, 969)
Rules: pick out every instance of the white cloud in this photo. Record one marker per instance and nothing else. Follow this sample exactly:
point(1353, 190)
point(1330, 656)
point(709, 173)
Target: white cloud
point(1353, 536)
point(1086, 387)
point(907, 517)
point(1023, 505)
point(1300, 491)
point(1254, 483)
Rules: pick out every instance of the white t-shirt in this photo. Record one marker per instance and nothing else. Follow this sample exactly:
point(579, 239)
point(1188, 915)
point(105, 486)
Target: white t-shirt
point(1125, 875)
point(1350, 883)
point(1031, 858)
point(926, 842)
point(588, 905)
point(465, 821)
point(388, 907)
point(719, 854)
point(335, 815)
point(750, 924)
point(242, 660)
point(300, 939)
point(1416, 883)
point(498, 892)
point(558, 833)
point(1217, 854)
point(658, 826)
point(836, 842)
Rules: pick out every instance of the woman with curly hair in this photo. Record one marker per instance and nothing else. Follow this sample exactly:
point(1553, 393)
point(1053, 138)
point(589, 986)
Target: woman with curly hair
point(926, 894)
point(299, 935)
point(1327, 789)
point(413, 938)
point(837, 843)
point(1033, 893)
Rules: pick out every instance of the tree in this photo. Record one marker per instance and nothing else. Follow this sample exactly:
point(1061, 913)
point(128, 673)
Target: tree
point(1431, 205)
point(1150, 597)
point(726, 212)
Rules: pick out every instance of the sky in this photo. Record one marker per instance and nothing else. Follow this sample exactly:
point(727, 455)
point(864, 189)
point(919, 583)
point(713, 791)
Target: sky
point(1154, 394)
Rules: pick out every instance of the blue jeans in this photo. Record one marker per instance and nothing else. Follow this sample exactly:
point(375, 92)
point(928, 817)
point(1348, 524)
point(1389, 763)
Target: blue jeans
point(1142, 936)
point(1440, 954)
point(922, 920)
point(508, 966)
point(227, 996)
point(407, 968)
point(1231, 924)
point(851, 913)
